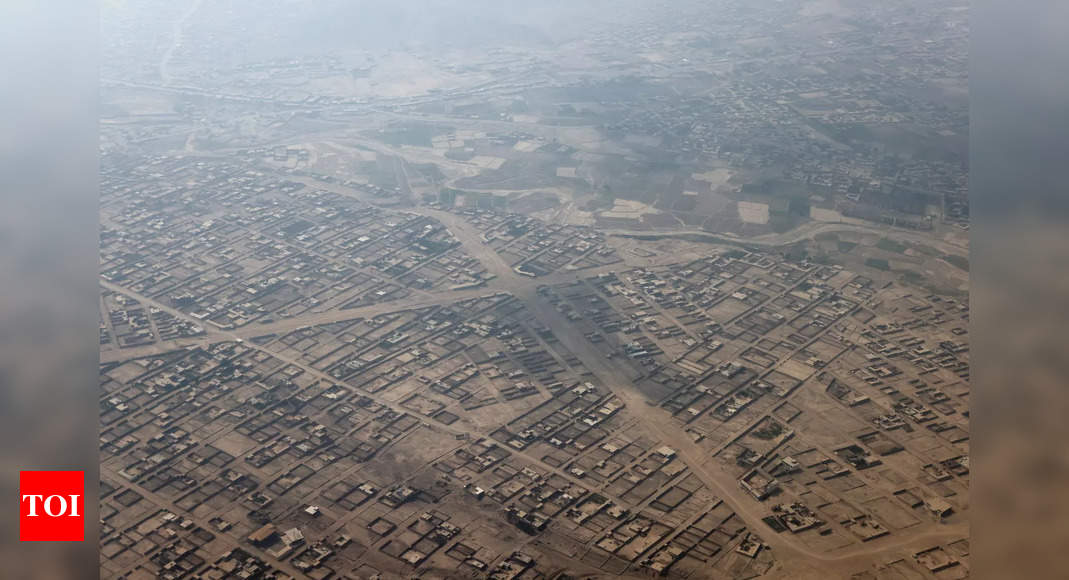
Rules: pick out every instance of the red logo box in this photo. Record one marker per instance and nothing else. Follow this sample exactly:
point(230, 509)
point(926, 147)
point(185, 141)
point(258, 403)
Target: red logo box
point(51, 506)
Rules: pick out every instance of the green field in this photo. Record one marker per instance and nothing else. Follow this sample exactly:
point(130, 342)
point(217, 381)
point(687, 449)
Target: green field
point(878, 263)
point(959, 262)
point(890, 245)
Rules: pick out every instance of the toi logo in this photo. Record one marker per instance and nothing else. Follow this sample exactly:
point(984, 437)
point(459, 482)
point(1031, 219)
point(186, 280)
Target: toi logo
point(51, 506)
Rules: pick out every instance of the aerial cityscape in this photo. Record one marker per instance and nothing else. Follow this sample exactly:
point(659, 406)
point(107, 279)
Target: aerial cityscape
point(570, 290)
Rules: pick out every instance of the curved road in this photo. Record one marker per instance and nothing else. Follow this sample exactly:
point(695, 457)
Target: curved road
point(176, 41)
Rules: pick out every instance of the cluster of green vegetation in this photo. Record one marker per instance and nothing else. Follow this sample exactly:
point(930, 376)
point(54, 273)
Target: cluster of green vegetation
point(771, 431)
point(878, 263)
point(960, 262)
point(890, 245)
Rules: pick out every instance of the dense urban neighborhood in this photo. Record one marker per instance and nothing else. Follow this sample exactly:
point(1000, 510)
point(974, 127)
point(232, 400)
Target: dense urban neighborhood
point(677, 292)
